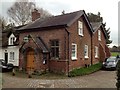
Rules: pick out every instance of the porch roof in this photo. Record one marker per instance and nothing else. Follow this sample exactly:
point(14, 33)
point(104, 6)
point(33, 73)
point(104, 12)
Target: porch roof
point(41, 45)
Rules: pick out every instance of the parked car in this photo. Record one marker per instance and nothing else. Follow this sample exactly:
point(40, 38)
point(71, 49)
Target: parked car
point(110, 63)
point(5, 67)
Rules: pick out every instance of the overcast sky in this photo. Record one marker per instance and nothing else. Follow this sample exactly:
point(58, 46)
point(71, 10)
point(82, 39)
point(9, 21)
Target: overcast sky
point(107, 8)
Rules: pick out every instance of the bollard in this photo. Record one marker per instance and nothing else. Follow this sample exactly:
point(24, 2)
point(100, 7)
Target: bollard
point(13, 72)
point(30, 73)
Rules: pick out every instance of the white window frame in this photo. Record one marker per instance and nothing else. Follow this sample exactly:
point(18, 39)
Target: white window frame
point(86, 51)
point(80, 28)
point(96, 52)
point(99, 35)
point(12, 39)
point(12, 56)
point(75, 52)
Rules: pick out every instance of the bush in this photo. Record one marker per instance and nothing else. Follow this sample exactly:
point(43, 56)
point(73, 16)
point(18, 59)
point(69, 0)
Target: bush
point(85, 70)
point(118, 75)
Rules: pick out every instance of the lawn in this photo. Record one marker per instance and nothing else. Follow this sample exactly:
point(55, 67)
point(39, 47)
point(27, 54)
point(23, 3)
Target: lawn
point(85, 70)
point(115, 53)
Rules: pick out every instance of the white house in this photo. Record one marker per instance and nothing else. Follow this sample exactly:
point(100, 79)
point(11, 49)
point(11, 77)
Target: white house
point(10, 50)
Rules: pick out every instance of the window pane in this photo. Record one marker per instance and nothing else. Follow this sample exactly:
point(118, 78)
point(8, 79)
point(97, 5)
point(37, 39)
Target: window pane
point(73, 54)
point(86, 51)
point(96, 51)
point(57, 52)
point(73, 47)
point(10, 41)
point(74, 51)
point(12, 55)
point(80, 28)
point(57, 43)
point(53, 52)
point(99, 35)
point(52, 43)
point(80, 24)
point(55, 48)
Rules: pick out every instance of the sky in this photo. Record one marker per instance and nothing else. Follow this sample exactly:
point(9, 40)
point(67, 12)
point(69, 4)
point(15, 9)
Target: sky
point(107, 8)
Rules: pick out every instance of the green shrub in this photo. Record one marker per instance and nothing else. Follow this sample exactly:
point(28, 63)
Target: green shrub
point(85, 70)
point(118, 76)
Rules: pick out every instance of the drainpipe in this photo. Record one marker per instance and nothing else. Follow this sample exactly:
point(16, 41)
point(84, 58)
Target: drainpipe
point(68, 51)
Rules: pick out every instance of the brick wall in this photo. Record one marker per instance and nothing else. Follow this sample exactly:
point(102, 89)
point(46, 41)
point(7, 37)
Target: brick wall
point(47, 35)
point(95, 42)
point(81, 41)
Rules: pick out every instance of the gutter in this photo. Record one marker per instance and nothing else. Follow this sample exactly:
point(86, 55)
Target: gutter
point(68, 50)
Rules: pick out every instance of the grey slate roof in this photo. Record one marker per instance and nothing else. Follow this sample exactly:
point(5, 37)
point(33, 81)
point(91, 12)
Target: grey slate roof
point(6, 33)
point(60, 20)
point(42, 45)
point(96, 25)
point(39, 42)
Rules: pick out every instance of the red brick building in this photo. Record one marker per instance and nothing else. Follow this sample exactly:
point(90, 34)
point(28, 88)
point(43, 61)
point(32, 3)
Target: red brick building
point(58, 43)
point(100, 50)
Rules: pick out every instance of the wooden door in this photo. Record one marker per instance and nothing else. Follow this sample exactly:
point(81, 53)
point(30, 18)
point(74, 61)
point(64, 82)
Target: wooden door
point(30, 60)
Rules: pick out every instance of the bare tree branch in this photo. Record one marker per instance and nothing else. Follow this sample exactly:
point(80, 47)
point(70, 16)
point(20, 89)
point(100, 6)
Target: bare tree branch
point(20, 12)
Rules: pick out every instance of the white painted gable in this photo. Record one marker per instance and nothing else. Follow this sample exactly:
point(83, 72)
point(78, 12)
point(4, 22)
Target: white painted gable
point(11, 36)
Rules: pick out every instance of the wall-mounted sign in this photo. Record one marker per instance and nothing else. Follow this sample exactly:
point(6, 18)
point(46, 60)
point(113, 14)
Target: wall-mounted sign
point(26, 39)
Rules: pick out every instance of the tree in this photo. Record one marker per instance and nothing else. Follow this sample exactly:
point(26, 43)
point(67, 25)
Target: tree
point(118, 75)
point(43, 13)
point(114, 49)
point(97, 18)
point(118, 48)
point(107, 31)
point(20, 12)
point(2, 23)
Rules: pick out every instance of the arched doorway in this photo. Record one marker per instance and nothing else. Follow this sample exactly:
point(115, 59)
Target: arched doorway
point(30, 60)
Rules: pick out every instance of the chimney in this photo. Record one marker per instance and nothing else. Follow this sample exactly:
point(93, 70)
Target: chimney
point(35, 15)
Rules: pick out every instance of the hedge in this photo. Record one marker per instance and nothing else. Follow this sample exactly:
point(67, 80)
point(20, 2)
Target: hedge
point(85, 70)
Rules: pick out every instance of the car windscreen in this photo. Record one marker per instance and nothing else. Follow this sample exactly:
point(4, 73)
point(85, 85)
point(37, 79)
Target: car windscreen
point(111, 59)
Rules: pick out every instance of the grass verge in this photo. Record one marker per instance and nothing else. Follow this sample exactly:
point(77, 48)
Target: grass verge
point(85, 70)
point(115, 53)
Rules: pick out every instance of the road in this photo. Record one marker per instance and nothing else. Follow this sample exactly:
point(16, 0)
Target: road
point(100, 79)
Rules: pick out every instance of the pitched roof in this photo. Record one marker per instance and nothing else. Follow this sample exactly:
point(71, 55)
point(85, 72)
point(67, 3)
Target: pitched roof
point(5, 38)
point(39, 42)
point(60, 20)
point(42, 45)
point(96, 25)
point(6, 33)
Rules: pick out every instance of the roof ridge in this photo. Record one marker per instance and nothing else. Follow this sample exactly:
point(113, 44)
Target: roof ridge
point(58, 20)
point(68, 13)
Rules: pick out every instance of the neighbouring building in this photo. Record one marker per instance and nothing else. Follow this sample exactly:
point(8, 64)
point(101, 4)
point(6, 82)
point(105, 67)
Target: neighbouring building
point(9, 50)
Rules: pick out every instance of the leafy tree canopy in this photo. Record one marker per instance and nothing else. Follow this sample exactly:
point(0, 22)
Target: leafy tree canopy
point(97, 18)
